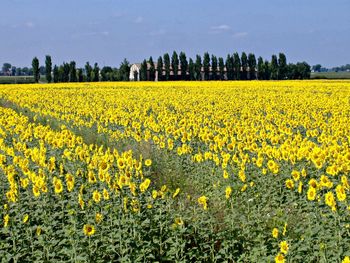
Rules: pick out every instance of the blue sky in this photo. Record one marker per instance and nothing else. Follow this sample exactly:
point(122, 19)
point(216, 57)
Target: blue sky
point(106, 31)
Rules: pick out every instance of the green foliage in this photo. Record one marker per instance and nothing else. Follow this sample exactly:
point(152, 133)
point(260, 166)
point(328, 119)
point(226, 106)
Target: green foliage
point(274, 68)
point(35, 66)
point(48, 68)
point(206, 65)
point(175, 63)
point(72, 72)
point(198, 68)
point(183, 65)
point(236, 66)
point(167, 66)
point(152, 70)
point(252, 66)
point(143, 71)
point(160, 68)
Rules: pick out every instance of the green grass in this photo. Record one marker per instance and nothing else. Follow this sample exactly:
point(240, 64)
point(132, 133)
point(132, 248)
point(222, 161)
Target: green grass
point(20, 79)
point(330, 75)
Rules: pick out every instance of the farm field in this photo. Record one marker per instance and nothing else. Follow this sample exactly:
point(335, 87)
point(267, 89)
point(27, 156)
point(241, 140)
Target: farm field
point(330, 75)
point(247, 171)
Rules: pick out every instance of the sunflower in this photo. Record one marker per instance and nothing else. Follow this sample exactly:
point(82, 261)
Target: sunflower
point(279, 258)
point(284, 247)
point(311, 193)
point(228, 192)
point(275, 232)
point(89, 230)
point(121, 163)
point(96, 196)
point(148, 162)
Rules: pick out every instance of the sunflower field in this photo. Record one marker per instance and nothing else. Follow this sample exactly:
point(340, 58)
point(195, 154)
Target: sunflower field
point(175, 172)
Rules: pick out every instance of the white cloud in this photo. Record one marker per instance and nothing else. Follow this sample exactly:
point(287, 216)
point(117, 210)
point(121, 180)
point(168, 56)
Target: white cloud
point(221, 28)
point(240, 34)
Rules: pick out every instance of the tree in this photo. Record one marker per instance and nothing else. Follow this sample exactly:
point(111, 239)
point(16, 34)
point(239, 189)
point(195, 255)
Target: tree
point(267, 70)
point(55, 74)
point(183, 65)
point(143, 71)
point(260, 70)
point(80, 75)
point(167, 66)
point(230, 71)
point(65, 72)
point(96, 73)
point(214, 67)
point(198, 68)
point(105, 71)
point(88, 71)
point(152, 70)
point(236, 66)
point(244, 64)
point(282, 66)
point(72, 72)
point(221, 68)
point(35, 66)
point(6, 68)
point(206, 65)
point(13, 71)
point(48, 68)
point(274, 67)
point(304, 70)
point(124, 70)
point(317, 68)
point(252, 66)
point(175, 64)
point(191, 70)
point(160, 68)
point(18, 72)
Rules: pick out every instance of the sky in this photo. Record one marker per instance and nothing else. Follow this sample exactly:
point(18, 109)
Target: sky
point(106, 31)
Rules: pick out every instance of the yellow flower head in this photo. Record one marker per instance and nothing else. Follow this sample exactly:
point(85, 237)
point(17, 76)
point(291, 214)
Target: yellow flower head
point(275, 232)
point(89, 230)
point(284, 247)
point(148, 162)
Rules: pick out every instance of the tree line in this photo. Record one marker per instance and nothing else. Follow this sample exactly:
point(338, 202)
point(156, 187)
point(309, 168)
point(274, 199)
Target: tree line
point(210, 67)
point(174, 67)
point(69, 72)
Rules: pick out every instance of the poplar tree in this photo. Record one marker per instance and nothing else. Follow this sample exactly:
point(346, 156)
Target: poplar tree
point(183, 65)
point(230, 71)
point(252, 66)
point(214, 67)
point(191, 69)
point(236, 66)
point(72, 72)
point(35, 66)
point(282, 66)
point(96, 73)
point(48, 68)
point(274, 67)
point(88, 71)
point(167, 66)
point(160, 68)
point(55, 74)
point(175, 64)
point(206, 65)
point(143, 71)
point(260, 69)
point(221, 68)
point(198, 68)
point(152, 70)
point(244, 64)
